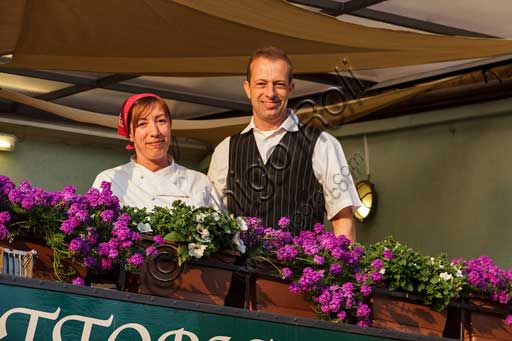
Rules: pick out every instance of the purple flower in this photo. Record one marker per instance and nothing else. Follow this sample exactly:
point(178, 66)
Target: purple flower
point(377, 264)
point(135, 236)
point(335, 269)
point(125, 244)
point(107, 216)
point(376, 276)
point(3, 232)
point(103, 249)
point(159, 239)
point(504, 297)
point(106, 264)
point(78, 281)
point(366, 290)
point(113, 253)
point(388, 254)
point(318, 260)
point(508, 320)
point(287, 273)
point(89, 261)
point(287, 253)
point(151, 251)
point(362, 310)
point(5, 217)
point(283, 222)
point(319, 228)
point(341, 315)
point(76, 244)
point(136, 259)
point(27, 202)
point(364, 323)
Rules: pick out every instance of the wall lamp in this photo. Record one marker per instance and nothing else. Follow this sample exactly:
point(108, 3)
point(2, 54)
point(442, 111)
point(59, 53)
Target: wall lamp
point(7, 142)
point(367, 195)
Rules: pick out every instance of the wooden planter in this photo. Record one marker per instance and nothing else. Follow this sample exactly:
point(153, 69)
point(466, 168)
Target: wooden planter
point(43, 262)
point(270, 294)
point(405, 315)
point(205, 281)
point(487, 321)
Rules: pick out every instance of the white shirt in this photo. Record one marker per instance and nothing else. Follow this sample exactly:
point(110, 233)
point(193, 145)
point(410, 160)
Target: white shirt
point(137, 186)
point(329, 164)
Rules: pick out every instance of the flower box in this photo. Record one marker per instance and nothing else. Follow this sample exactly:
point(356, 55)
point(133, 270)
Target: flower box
point(487, 321)
point(396, 311)
point(43, 264)
point(205, 281)
point(271, 295)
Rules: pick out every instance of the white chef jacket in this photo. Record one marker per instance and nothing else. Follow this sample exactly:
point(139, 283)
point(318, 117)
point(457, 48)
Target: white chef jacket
point(329, 164)
point(137, 186)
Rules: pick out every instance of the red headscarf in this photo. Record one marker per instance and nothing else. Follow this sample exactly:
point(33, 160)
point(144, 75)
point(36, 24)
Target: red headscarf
point(123, 126)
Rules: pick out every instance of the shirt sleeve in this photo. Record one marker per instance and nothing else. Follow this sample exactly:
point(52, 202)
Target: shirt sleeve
point(100, 178)
point(332, 172)
point(218, 171)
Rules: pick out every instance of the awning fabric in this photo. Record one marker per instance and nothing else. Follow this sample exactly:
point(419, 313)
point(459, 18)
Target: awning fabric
point(214, 130)
point(208, 37)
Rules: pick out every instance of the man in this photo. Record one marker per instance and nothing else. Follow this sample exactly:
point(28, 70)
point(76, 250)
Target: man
point(277, 167)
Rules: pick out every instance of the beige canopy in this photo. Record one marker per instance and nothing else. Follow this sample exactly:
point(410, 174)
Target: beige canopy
point(207, 37)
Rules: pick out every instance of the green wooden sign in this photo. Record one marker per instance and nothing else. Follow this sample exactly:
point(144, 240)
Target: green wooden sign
point(31, 313)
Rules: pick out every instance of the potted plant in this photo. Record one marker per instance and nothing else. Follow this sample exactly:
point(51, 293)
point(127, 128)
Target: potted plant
point(185, 234)
point(72, 233)
point(321, 269)
point(488, 290)
point(417, 291)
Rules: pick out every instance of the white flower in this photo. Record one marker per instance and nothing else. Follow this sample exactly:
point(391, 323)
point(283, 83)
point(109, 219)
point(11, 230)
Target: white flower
point(382, 271)
point(432, 260)
point(216, 216)
point(239, 243)
point(242, 223)
point(144, 227)
point(446, 276)
point(203, 231)
point(196, 250)
point(459, 273)
point(200, 217)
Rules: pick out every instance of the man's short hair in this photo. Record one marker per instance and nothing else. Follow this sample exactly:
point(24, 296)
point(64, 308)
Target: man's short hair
point(271, 53)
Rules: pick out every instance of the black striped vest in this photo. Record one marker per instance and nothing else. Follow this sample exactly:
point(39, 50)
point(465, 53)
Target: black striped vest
point(285, 186)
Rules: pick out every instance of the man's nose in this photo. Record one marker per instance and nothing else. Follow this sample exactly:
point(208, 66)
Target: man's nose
point(270, 90)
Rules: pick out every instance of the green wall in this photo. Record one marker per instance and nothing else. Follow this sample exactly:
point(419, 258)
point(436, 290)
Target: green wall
point(443, 188)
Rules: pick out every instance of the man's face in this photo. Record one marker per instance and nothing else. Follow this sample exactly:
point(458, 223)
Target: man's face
point(268, 90)
point(151, 137)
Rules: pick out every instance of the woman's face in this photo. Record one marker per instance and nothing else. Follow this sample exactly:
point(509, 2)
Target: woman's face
point(151, 137)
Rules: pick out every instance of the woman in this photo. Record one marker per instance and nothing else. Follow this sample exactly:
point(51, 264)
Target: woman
point(152, 178)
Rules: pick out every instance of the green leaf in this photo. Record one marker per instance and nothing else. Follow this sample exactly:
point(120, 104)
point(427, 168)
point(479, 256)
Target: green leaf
point(175, 237)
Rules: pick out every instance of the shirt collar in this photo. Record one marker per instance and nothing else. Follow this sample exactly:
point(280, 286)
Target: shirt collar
point(172, 168)
point(290, 124)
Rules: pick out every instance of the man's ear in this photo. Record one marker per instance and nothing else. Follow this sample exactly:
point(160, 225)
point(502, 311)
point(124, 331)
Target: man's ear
point(292, 86)
point(247, 88)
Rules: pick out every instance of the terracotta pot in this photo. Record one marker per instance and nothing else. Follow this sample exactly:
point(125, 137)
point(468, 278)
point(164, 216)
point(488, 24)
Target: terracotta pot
point(196, 282)
point(271, 295)
point(405, 315)
point(43, 264)
point(487, 325)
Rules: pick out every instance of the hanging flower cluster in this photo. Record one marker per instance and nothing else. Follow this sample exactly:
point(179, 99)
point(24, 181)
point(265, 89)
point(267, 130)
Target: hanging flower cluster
point(322, 267)
point(484, 278)
point(94, 231)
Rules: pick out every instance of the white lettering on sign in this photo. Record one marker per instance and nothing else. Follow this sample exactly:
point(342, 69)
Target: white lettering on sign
point(32, 323)
point(89, 322)
point(86, 331)
point(143, 332)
